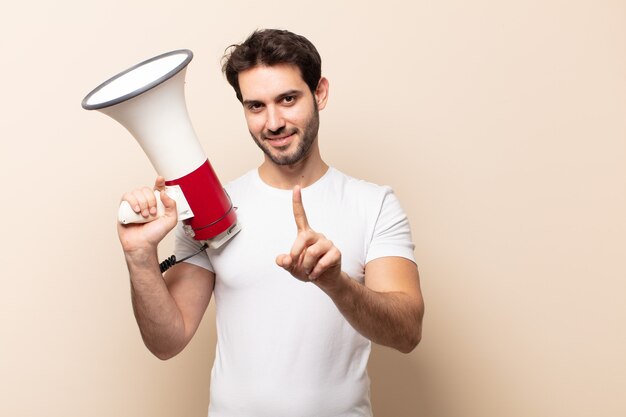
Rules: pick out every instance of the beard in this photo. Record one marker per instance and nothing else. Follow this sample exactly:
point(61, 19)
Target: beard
point(307, 137)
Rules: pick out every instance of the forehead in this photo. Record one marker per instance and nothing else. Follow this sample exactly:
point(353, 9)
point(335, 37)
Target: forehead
point(267, 82)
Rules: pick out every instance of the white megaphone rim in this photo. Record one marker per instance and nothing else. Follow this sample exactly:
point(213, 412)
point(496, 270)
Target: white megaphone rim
point(145, 87)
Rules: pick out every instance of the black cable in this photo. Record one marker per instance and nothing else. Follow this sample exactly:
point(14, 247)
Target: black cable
point(171, 261)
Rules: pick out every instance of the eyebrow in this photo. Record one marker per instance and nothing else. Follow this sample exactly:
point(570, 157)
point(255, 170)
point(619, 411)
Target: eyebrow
point(278, 98)
point(248, 102)
point(289, 93)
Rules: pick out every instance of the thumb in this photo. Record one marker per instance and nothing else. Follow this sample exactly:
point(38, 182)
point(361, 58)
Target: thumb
point(169, 204)
point(159, 183)
point(284, 261)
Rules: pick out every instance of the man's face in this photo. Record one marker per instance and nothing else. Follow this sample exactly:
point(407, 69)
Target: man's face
point(281, 112)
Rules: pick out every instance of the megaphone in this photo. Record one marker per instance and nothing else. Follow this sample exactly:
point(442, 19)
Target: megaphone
point(148, 99)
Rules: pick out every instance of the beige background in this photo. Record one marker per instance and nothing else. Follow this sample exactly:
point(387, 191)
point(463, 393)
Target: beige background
point(501, 126)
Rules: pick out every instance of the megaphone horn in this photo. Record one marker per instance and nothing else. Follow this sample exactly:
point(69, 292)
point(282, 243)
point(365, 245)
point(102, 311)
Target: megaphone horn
point(148, 99)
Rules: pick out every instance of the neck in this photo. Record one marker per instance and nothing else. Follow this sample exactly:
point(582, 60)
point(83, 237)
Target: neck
point(303, 173)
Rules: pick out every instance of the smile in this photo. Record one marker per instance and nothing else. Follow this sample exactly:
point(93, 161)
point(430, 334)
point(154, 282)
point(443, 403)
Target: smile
point(280, 141)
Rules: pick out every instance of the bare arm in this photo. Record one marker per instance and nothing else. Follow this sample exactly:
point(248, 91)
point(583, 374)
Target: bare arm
point(388, 309)
point(168, 310)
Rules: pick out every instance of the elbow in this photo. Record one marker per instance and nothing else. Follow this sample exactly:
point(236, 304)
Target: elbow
point(413, 335)
point(410, 342)
point(164, 356)
point(164, 348)
point(162, 353)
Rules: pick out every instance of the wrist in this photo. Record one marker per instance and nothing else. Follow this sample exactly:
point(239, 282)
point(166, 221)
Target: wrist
point(141, 257)
point(334, 286)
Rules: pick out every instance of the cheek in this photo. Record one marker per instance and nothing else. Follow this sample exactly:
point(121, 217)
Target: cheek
point(298, 117)
point(255, 124)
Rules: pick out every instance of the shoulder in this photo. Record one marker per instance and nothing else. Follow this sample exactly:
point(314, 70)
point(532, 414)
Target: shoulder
point(356, 188)
point(373, 201)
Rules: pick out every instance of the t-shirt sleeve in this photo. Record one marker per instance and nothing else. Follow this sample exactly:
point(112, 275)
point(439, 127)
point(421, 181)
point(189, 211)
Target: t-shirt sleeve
point(185, 246)
point(392, 232)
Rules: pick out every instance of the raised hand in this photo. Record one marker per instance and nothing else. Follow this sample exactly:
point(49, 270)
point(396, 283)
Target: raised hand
point(148, 235)
point(312, 256)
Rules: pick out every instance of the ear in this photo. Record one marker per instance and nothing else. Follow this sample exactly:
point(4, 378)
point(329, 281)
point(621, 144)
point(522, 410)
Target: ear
point(321, 93)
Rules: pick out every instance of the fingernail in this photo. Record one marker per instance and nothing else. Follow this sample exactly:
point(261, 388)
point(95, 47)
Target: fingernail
point(137, 208)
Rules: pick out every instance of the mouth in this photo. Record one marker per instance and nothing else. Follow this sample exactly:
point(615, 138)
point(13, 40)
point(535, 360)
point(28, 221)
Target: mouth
point(280, 141)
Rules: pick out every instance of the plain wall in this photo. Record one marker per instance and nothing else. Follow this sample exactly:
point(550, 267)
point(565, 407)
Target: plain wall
point(500, 125)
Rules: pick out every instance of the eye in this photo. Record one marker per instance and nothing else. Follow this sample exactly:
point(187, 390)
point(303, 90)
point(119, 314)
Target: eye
point(289, 99)
point(255, 107)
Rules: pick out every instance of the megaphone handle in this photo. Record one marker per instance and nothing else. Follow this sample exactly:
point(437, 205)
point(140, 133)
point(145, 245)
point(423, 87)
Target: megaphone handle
point(127, 215)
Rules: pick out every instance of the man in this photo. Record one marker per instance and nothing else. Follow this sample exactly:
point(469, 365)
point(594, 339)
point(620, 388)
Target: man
point(296, 309)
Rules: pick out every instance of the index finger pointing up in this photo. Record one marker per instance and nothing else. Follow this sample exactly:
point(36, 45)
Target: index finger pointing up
point(298, 210)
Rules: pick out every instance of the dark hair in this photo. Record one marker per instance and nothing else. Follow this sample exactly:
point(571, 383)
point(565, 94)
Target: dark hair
point(272, 47)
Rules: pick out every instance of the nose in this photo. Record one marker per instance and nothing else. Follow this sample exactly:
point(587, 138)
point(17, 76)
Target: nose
point(275, 121)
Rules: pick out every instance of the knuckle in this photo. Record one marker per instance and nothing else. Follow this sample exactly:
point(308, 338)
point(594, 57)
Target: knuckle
point(295, 252)
point(139, 198)
point(149, 195)
point(313, 251)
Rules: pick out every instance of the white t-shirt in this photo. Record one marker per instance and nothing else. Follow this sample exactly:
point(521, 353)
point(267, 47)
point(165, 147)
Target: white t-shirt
point(283, 348)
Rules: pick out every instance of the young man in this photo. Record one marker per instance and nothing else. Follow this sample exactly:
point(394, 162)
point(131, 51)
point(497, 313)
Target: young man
point(296, 309)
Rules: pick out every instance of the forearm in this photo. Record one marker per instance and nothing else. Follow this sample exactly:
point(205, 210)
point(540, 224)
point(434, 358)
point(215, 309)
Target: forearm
point(388, 318)
point(158, 317)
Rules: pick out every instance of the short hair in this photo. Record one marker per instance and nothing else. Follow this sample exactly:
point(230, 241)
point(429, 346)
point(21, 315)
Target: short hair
point(272, 47)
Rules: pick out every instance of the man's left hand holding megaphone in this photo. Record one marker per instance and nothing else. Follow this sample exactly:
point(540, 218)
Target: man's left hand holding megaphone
point(158, 214)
